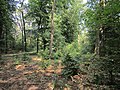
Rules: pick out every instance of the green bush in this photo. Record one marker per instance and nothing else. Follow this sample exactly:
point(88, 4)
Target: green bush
point(45, 63)
point(71, 66)
point(25, 57)
point(58, 54)
point(44, 54)
point(71, 59)
point(102, 71)
point(20, 58)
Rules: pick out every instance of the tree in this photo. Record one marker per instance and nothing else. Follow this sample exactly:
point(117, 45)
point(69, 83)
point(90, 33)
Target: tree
point(52, 27)
point(23, 26)
point(39, 10)
point(5, 24)
point(104, 33)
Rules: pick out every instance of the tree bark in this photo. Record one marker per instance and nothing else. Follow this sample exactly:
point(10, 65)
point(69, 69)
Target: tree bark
point(39, 27)
point(37, 44)
point(22, 40)
point(52, 27)
point(25, 44)
point(98, 33)
point(1, 30)
point(6, 41)
point(97, 46)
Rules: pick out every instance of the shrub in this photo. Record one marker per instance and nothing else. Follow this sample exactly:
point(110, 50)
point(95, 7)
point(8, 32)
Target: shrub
point(44, 64)
point(20, 58)
point(44, 54)
point(71, 66)
point(25, 57)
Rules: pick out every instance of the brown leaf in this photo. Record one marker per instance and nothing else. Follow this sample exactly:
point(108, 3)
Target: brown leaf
point(33, 87)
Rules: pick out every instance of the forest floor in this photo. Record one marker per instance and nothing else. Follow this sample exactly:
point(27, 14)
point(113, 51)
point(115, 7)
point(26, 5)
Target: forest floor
point(36, 74)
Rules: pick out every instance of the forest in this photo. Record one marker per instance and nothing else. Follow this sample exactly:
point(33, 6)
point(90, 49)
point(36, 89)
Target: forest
point(59, 44)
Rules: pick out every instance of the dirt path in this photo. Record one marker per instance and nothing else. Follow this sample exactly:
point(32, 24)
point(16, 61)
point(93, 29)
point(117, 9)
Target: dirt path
point(36, 74)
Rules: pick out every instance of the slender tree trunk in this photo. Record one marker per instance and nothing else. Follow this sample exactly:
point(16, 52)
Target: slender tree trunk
point(52, 27)
point(39, 26)
point(44, 43)
point(98, 33)
point(25, 44)
point(23, 30)
point(22, 41)
point(1, 38)
point(97, 46)
point(37, 44)
point(6, 42)
point(111, 77)
point(0, 33)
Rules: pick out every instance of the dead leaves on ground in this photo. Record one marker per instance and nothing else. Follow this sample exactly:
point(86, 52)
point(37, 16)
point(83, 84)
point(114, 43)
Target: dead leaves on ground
point(30, 76)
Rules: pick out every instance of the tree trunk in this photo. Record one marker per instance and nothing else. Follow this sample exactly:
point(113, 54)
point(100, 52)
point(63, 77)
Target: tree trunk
point(37, 44)
point(97, 47)
point(98, 33)
point(39, 26)
point(1, 30)
point(111, 77)
point(22, 40)
point(25, 44)
point(44, 43)
point(6, 42)
point(52, 27)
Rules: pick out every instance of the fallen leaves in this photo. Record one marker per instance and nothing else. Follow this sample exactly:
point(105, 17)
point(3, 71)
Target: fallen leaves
point(20, 67)
point(30, 76)
point(33, 87)
point(3, 81)
point(48, 74)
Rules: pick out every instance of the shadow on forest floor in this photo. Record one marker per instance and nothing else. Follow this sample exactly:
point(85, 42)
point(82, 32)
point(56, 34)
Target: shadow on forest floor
point(32, 76)
point(37, 74)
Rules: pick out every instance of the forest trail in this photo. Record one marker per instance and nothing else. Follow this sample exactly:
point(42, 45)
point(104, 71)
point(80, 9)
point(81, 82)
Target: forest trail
point(34, 75)
point(19, 53)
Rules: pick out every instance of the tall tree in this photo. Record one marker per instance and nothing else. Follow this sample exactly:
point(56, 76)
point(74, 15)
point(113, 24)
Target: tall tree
point(102, 20)
point(52, 27)
point(5, 23)
point(39, 10)
point(23, 26)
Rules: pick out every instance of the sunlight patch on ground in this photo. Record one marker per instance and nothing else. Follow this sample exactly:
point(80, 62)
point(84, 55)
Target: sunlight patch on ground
point(50, 86)
point(28, 72)
point(20, 67)
point(36, 59)
point(48, 74)
point(33, 87)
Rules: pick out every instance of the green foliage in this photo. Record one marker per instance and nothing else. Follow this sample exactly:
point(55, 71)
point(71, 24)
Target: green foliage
point(16, 59)
point(101, 18)
point(21, 58)
point(44, 54)
point(59, 84)
point(71, 66)
point(68, 30)
point(70, 20)
point(39, 11)
point(44, 63)
point(5, 25)
point(72, 49)
point(75, 57)
point(58, 54)
point(102, 71)
point(25, 57)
